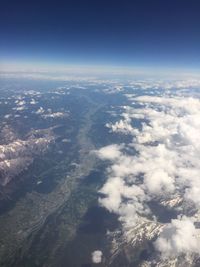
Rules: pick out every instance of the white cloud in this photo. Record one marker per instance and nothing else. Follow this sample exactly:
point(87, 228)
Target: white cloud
point(180, 236)
point(7, 116)
point(20, 108)
point(54, 115)
point(165, 165)
point(21, 102)
point(40, 110)
point(110, 152)
point(97, 256)
point(33, 102)
point(122, 126)
point(158, 181)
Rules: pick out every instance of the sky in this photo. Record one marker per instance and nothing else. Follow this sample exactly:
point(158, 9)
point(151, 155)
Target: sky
point(136, 33)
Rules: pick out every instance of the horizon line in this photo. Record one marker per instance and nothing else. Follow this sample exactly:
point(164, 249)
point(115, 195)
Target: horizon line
point(50, 67)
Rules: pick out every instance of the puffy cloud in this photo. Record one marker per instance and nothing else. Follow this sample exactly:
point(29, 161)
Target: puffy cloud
point(33, 102)
point(178, 237)
point(7, 116)
point(40, 110)
point(20, 108)
point(97, 256)
point(122, 126)
point(110, 152)
point(112, 190)
point(159, 181)
point(49, 114)
point(164, 166)
point(21, 102)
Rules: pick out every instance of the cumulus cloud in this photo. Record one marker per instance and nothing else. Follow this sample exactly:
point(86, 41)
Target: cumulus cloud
point(20, 108)
point(97, 256)
point(33, 102)
point(40, 110)
point(110, 152)
point(49, 114)
point(122, 126)
point(7, 116)
point(20, 102)
point(165, 165)
point(178, 237)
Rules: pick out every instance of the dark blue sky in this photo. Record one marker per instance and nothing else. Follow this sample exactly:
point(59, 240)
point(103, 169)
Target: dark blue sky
point(134, 33)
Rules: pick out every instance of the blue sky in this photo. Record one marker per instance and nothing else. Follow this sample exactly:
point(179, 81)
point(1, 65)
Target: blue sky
point(138, 33)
